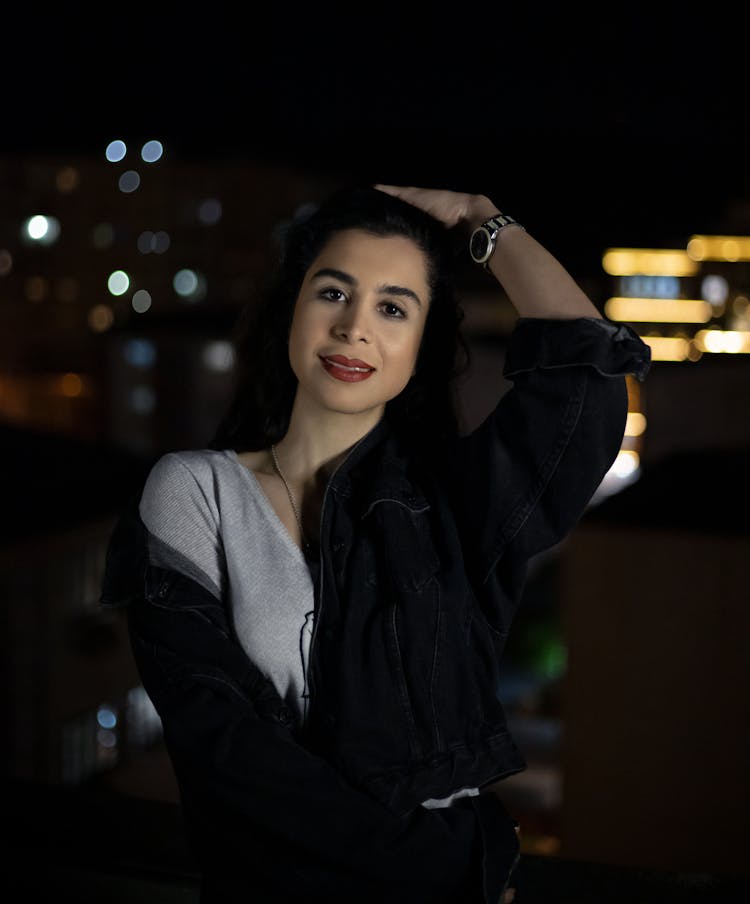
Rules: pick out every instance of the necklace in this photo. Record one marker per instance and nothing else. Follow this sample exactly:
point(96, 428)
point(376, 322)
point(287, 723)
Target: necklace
point(305, 544)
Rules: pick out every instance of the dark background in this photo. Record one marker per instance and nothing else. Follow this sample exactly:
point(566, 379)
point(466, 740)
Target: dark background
point(623, 125)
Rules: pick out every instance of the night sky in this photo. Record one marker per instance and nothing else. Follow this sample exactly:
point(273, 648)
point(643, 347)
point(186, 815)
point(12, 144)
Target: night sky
point(593, 128)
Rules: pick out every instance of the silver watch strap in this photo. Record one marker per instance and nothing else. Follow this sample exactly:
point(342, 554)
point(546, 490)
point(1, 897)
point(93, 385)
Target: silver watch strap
point(495, 224)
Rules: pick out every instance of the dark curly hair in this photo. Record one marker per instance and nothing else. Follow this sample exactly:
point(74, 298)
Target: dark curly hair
point(425, 411)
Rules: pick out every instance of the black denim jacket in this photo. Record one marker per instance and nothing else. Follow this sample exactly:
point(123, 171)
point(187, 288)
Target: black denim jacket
point(421, 572)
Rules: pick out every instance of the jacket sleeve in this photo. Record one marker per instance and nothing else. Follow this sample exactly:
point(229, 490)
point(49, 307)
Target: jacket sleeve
point(264, 815)
point(522, 479)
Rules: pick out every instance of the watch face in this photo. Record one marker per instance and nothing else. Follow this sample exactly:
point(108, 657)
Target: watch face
point(480, 245)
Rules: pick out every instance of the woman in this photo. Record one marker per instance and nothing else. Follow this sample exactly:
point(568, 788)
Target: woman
point(323, 593)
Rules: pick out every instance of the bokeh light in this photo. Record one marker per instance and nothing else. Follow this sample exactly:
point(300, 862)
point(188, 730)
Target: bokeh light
point(156, 242)
point(129, 181)
point(100, 318)
point(139, 353)
point(189, 284)
point(151, 151)
point(218, 356)
point(106, 716)
point(715, 289)
point(71, 385)
point(141, 301)
point(118, 282)
point(116, 151)
point(209, 211)
point(42, 229)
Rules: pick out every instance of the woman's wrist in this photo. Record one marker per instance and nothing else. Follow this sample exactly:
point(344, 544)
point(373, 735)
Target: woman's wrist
point(480, 208)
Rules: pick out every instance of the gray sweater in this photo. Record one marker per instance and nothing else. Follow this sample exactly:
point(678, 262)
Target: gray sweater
point(209, 518)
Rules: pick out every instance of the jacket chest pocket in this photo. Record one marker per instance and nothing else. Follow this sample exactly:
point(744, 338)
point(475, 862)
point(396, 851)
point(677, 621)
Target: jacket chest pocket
point(401, 545)
point(403, 569)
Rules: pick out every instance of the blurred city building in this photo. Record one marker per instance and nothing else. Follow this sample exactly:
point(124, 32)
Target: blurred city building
point(653, 590)
point(655, 711)
point(120, 279)
point(692, 307)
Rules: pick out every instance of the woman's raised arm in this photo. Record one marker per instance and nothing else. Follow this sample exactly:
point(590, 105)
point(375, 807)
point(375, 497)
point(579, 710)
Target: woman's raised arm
point(536, 283)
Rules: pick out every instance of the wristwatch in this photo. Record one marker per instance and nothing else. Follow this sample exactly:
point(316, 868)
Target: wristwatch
point(482, 241)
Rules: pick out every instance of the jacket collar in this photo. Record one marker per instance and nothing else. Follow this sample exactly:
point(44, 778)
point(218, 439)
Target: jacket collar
point(378, 462)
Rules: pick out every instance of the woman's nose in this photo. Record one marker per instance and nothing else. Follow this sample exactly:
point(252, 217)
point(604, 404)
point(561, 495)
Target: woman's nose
point(353, 322)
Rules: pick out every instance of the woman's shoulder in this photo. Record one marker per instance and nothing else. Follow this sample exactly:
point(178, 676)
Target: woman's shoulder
point(200, 464)
point(186, 476)
point(179, 508)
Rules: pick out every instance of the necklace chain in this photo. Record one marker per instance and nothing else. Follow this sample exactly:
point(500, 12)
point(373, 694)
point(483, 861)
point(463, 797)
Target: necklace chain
point(305, 544)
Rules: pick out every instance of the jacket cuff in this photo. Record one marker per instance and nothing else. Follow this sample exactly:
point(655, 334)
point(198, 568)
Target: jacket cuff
point(614, 349)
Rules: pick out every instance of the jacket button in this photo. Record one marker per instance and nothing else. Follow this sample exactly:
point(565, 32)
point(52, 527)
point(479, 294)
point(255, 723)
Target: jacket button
point(284, 716)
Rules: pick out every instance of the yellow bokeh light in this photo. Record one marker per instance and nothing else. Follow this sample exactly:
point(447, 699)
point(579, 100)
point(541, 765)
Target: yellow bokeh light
point(635, 424)
point(70, 385)
point(667, 348)
point(648, 262)
point(100, 318)
point(726, 341)
point(719, 248)
point(658, 310)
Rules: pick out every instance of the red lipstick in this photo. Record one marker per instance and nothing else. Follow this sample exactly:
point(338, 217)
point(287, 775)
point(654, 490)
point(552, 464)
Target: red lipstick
point(349, 362)
point(348, 370)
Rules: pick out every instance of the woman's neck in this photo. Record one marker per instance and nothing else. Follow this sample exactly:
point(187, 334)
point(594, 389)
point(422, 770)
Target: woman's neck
point(316, 442)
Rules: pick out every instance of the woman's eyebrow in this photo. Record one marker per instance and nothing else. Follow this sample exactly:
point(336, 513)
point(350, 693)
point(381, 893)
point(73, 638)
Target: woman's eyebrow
point(336, 274)
point(351, 281)
point(400, 290)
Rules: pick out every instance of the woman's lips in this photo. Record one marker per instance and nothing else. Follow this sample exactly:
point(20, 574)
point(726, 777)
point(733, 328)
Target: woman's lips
point(345, 374)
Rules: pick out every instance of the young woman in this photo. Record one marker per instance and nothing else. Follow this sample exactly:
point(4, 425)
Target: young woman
point(319, 599)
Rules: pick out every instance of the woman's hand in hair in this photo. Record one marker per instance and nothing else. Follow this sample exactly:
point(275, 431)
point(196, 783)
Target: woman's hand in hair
point(536, 283)
point(452, 208)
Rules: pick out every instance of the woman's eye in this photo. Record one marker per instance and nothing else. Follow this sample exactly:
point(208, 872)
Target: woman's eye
point(400, 313)
point(333, 294)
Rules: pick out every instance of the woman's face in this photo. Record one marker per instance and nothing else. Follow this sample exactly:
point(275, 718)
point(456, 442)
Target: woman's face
point(364, 297)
